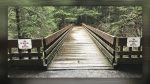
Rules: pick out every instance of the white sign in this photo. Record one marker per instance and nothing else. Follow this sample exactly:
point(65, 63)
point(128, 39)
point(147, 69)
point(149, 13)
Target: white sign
point(133, 41)
point(24, 43)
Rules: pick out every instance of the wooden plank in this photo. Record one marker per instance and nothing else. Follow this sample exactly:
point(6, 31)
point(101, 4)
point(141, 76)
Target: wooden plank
point(108, 54)
point(49, 56)
point(9, 51)
point(29, 51)
point(129, 52)
point(14, 43)
point(50, 48)
point(105, 48)
point(105, 45)
point(108, 40)
point(34, 62)
point(49, 39)
point(122, 41)
point(121, 50)
point(36, 43)
point(105, 36)
point(39, 51)
point(139, 49)
point(129, 60)
point(79, 52)
point(25, 54)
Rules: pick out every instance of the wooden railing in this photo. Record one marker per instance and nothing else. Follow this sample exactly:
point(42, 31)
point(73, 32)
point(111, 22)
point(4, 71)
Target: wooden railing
point(104, 41)
point(19, 57)
point(128, 54)
point(53, 42)
point(42, 52)
point(115, 48)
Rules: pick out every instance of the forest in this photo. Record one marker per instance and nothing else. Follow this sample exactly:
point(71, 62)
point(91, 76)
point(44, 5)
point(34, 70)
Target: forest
point(40, 21)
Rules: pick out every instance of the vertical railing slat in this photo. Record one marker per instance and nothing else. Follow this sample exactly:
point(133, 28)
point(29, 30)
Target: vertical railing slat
point(10, 51)
point(121, 50)
point(38, 50)
point(20, 51)
point(139, 49)
point(29, 51)
point(130, 50)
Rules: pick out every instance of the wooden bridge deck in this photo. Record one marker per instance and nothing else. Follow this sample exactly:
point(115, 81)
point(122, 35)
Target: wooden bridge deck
point(78, 57)
point(79, 52)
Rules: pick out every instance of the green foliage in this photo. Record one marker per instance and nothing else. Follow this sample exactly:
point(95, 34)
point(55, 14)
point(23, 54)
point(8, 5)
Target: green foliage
point(38, 22)
point(122, 21)
point(35, 22)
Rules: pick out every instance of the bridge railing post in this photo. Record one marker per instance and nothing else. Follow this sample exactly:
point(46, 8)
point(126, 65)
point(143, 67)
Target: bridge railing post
point(128, 55)
point(114, 52)
point(25, 57)
point(115, 48)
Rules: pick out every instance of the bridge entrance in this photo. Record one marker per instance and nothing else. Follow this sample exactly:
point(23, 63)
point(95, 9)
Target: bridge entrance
point(75, 47)
point(78, 51)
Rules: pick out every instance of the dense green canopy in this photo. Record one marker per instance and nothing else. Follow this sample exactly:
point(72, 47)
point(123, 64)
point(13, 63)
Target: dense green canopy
point(38, 22)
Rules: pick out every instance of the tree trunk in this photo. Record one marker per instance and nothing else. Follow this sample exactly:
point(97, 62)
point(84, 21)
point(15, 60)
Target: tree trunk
point(18, 21)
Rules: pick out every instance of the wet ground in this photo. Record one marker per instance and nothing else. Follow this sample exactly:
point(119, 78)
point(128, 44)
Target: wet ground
point(74, 74)
point(79, 57)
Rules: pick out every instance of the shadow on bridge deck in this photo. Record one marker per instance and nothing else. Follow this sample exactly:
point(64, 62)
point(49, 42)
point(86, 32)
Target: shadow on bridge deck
point(79, 52)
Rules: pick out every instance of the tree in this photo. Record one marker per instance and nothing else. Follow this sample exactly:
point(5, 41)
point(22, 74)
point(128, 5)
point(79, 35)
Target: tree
point(38, 22)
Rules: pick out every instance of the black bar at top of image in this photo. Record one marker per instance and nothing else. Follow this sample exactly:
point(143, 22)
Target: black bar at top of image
point(71, 2)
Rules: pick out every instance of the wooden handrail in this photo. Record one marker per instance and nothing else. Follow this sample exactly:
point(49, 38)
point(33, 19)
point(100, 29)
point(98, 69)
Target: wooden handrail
point(51, 38)
point(115, 47)
point(105, 36)
point(52, 43)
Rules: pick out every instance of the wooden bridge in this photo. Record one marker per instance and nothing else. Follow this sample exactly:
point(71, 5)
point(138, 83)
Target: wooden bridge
point(75, 47)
